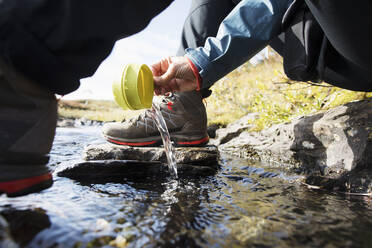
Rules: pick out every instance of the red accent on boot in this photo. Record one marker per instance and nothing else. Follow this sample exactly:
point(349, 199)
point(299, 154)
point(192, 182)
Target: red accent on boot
point(132, 143)
point(194, 142)
point(169, 106)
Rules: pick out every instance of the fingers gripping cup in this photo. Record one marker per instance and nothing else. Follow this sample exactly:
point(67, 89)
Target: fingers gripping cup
point(136, 88)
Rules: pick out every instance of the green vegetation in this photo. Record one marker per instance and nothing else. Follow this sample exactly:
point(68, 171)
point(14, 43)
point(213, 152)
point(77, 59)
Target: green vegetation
point(263, 89)
point(266, 90)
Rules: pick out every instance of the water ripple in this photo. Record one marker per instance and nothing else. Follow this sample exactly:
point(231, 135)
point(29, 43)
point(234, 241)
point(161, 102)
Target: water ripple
point(245, 204)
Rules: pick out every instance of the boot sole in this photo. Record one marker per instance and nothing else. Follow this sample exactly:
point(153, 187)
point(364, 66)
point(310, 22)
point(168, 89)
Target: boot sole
point(26, 186)
point(156, 141)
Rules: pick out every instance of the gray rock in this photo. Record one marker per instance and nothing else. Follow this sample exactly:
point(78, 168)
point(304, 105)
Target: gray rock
point(64, 122)
point(358, 181)
point(211, 130)
point(206, 156)
point(331, 143)
point(234, 129)
point(24, 225)
point(5, 238)
point(79, 122)
point(103, 171)
point(108, 163)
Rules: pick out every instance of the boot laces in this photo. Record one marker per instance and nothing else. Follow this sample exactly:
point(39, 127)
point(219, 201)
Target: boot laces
point(145, 116)
point(168, 97)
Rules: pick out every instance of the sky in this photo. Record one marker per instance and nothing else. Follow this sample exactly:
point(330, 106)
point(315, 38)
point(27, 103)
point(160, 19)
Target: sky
point(159, 39)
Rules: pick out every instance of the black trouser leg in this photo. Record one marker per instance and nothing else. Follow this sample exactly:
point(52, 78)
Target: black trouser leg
point(347, 26)
point(278, 44)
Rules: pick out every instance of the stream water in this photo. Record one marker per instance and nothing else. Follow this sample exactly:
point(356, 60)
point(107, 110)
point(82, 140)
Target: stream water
point(244, 204)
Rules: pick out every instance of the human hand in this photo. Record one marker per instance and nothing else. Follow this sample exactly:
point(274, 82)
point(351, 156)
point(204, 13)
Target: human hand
point(173, 74)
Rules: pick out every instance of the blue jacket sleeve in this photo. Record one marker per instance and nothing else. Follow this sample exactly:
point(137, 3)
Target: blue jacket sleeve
point(242, 34)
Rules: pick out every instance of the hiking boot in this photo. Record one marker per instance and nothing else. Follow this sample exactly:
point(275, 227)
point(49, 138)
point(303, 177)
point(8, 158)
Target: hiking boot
point(184, 114)
point(28, 115)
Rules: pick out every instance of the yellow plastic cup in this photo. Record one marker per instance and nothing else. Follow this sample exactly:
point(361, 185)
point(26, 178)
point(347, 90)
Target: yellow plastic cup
point(136, 88)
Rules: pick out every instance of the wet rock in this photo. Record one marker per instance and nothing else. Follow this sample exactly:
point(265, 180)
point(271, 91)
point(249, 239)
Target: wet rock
point(211, 130)
point(65, 122)
point(329, 144)
point(358, 181)
point(112, 163)
point(86, 122)
point(102, 171)
point(5, 237)
point(80, 122)
point(24, 225)
point(206, 156)
point(234, 129)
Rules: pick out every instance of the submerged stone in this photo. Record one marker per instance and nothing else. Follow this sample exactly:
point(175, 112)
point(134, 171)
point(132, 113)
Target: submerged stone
point(206, 156)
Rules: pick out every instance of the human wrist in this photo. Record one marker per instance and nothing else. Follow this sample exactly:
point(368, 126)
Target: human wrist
point(196, 73)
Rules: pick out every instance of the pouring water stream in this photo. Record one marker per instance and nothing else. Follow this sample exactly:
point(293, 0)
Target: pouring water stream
point(168, 146)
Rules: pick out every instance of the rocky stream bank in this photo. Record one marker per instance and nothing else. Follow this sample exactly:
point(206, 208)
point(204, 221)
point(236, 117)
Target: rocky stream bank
point(114, 200)
point(331, 149)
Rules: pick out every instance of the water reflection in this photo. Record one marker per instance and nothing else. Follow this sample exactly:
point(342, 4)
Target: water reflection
point(243, 205)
